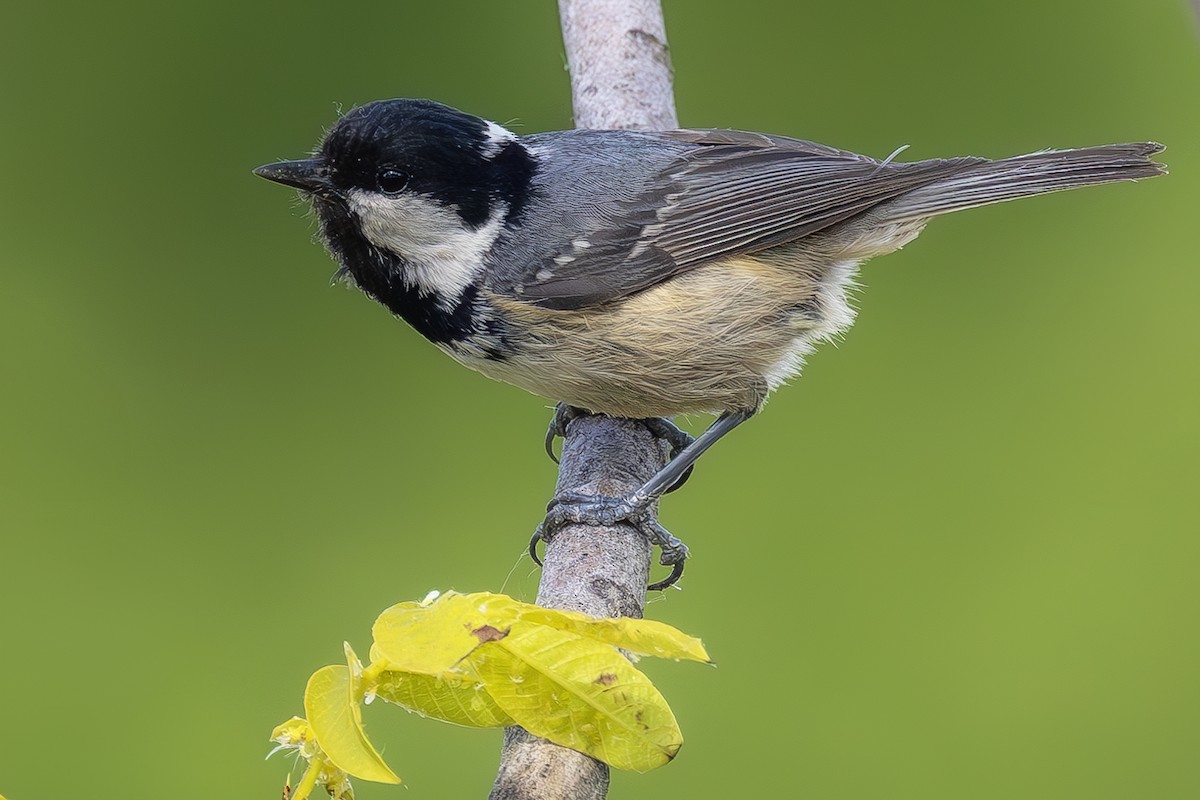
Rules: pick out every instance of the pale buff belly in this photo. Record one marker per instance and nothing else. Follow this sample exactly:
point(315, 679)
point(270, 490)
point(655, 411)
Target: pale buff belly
point(715, 339)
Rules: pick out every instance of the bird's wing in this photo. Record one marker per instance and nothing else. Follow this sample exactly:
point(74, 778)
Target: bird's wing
point(728, 193)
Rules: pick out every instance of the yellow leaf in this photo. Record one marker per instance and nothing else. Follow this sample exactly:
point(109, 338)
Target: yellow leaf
point(450, 697)
point(336, 719)
point(645, 637)
point(556, 673)
point(581, 694)
point(297, 734)
point(431, 638)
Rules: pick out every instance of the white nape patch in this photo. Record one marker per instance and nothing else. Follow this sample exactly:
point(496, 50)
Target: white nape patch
point(497, 137)
point(442, 254)
point(836, 316)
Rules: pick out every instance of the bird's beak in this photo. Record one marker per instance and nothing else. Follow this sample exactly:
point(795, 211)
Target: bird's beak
point(309, 175)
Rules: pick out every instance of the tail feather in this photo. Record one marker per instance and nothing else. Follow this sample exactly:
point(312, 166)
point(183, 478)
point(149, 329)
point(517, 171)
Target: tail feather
point(1023, 176)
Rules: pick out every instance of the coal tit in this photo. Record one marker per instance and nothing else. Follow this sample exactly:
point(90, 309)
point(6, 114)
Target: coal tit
point(635, 274)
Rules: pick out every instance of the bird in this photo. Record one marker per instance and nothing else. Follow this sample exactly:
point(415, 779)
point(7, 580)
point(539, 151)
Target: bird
point(638, 274)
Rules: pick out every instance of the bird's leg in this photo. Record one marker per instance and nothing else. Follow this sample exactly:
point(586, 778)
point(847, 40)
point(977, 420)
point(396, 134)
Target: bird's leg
point(610, 510)
point(576, 508)
point(679, 439)
point(659, 427)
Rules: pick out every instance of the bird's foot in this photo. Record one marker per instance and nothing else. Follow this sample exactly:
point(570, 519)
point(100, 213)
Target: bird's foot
point(659, 427)
point(563, 414)
point(583, 509)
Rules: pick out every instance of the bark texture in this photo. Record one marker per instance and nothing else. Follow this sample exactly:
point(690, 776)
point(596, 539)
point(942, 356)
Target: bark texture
point(620, 66)
point(620, 78)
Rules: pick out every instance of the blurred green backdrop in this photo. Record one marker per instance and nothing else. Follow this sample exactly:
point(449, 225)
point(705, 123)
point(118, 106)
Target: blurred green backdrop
point(957, 560)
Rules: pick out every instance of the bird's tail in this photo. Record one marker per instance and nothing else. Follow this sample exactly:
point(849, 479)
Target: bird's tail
point(1023, 176)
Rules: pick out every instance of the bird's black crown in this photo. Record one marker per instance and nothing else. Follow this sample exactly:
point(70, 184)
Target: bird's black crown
point(427, 148)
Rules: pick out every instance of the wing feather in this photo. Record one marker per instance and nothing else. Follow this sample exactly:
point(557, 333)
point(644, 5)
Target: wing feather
point(729, 193)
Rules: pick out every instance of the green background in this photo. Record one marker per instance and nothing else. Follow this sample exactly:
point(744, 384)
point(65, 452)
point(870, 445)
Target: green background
point(958, 559)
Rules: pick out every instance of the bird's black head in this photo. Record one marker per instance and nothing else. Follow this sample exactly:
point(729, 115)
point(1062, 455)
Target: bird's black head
point(425, 148)
point(411, 195)
point(415, 147)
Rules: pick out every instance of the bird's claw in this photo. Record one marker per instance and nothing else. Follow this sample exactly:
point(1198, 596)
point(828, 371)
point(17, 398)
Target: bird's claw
point(674, 554)
point(659, 427)
point(590, 509)
point(563, 414)
point(583, 509)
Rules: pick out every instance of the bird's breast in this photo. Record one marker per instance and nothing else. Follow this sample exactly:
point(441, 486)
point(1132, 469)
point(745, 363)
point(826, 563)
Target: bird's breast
point(716, 338)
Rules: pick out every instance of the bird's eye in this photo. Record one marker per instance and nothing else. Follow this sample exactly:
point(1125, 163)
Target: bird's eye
point(391, 181)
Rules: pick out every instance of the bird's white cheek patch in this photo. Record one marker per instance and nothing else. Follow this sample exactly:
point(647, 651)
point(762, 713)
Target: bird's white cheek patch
point(442, 254)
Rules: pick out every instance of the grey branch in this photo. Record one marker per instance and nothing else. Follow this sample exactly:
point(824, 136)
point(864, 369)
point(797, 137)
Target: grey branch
point(619, 62)
point(620, 78)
